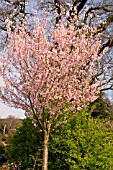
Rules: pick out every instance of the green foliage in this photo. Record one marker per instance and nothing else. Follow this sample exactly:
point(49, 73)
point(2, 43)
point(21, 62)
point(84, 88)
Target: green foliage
point(2, 148)
point(83, 143)
point(26, 146)
point(103, 107)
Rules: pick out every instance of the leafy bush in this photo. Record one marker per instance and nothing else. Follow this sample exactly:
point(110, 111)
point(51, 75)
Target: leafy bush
point(83, 143)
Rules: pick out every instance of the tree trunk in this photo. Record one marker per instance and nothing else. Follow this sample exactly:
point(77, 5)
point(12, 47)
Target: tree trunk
point(45, 151)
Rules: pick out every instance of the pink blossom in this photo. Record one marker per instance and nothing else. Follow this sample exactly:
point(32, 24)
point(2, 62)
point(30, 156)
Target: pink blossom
point(39, 73)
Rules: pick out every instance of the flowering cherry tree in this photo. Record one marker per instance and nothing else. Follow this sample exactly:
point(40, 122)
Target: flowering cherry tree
point(43, 71)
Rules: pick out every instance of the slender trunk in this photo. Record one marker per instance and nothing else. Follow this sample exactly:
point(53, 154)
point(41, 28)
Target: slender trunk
point(4, 130)
point(45, 151)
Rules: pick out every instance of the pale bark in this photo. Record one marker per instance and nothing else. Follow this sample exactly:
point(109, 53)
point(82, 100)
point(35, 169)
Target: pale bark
point(45, 151)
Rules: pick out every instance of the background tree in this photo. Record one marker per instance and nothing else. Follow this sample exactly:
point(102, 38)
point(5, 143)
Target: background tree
point(103, 107)
point(2, 152)
point(25, 149)
point(8, 127)
point(16, 11)
point(7, 130)
point(97, 14)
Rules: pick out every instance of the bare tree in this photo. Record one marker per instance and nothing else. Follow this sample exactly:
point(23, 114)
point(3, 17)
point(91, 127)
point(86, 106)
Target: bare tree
point(16, 11)
point(96, 14)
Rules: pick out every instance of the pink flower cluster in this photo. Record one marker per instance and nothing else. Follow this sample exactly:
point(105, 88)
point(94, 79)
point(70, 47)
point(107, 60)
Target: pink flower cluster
point(39, 72)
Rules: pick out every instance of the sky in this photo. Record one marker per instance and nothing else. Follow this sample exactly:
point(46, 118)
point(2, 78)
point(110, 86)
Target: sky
point(6, 111)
